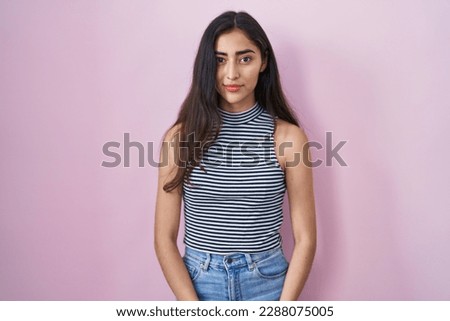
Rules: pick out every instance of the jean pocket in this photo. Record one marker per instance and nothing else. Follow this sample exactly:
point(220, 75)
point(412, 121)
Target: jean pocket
point(272, 267)
point(193, 268)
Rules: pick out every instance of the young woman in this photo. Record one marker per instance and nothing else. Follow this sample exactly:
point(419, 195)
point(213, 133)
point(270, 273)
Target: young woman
point(234, 150)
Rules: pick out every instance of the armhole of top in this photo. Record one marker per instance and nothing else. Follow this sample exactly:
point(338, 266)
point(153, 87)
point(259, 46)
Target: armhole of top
point(274, 126)
point(275, 146)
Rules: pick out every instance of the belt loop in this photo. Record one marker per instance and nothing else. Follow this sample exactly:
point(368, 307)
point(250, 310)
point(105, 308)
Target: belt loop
point(250, 263)
point(205, 264)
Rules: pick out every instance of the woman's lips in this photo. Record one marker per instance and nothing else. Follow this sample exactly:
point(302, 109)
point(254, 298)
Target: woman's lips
point(233, 88)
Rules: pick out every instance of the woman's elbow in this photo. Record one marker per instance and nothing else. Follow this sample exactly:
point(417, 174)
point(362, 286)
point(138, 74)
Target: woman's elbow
point(163, 242)
point(308, 242)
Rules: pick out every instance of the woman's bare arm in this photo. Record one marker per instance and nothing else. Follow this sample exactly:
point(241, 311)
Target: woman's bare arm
point(167, 222)
point(293, 155)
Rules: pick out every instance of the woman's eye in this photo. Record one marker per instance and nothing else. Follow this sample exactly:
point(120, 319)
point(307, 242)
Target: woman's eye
point(246, 59)
point(220, 60)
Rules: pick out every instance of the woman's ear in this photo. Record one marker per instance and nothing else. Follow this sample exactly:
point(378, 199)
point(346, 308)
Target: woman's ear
point(264, 63)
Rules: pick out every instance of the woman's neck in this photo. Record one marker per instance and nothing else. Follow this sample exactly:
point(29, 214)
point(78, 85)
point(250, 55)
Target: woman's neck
point(238, 107)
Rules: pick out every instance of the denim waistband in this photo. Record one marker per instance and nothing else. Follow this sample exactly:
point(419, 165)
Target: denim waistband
point(233, 260)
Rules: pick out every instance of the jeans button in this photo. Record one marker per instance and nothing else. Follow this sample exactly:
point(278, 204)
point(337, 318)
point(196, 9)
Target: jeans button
point(229, 260)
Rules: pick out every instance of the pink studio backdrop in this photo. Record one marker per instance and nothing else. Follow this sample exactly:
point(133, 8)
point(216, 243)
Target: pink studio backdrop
point(75, 75)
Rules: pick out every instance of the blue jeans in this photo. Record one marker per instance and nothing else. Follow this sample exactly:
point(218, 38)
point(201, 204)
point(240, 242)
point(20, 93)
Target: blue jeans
point(238, 276)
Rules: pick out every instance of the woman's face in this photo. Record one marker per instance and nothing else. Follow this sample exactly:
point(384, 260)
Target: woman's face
point(239, 63)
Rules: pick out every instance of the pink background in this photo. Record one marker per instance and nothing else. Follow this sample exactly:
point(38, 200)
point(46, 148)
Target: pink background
point(77, 74)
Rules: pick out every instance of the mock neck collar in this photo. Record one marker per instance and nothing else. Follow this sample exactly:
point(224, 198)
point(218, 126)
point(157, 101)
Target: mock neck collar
point(241, 117)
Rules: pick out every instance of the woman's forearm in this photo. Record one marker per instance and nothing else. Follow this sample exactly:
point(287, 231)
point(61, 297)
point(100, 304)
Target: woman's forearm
point(174, 270)
point(299, 268)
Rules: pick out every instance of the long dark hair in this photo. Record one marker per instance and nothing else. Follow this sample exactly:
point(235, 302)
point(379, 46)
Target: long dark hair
point(199, 120)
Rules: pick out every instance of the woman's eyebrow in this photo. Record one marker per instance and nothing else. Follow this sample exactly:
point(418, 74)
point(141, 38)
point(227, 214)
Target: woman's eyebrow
point(240, 52)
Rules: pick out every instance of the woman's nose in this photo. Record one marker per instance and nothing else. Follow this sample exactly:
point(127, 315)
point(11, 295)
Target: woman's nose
point(232, 71)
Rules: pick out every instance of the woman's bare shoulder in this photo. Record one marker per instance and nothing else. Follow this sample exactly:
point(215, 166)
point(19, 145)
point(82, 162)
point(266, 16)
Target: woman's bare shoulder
point(172, 132)
point(287, 132)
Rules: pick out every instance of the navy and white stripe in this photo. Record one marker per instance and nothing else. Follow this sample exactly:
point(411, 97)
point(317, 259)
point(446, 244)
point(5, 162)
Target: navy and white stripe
point(236, 205)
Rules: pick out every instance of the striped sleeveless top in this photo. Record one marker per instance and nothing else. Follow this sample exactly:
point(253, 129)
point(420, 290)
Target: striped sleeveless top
point(235, 203)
